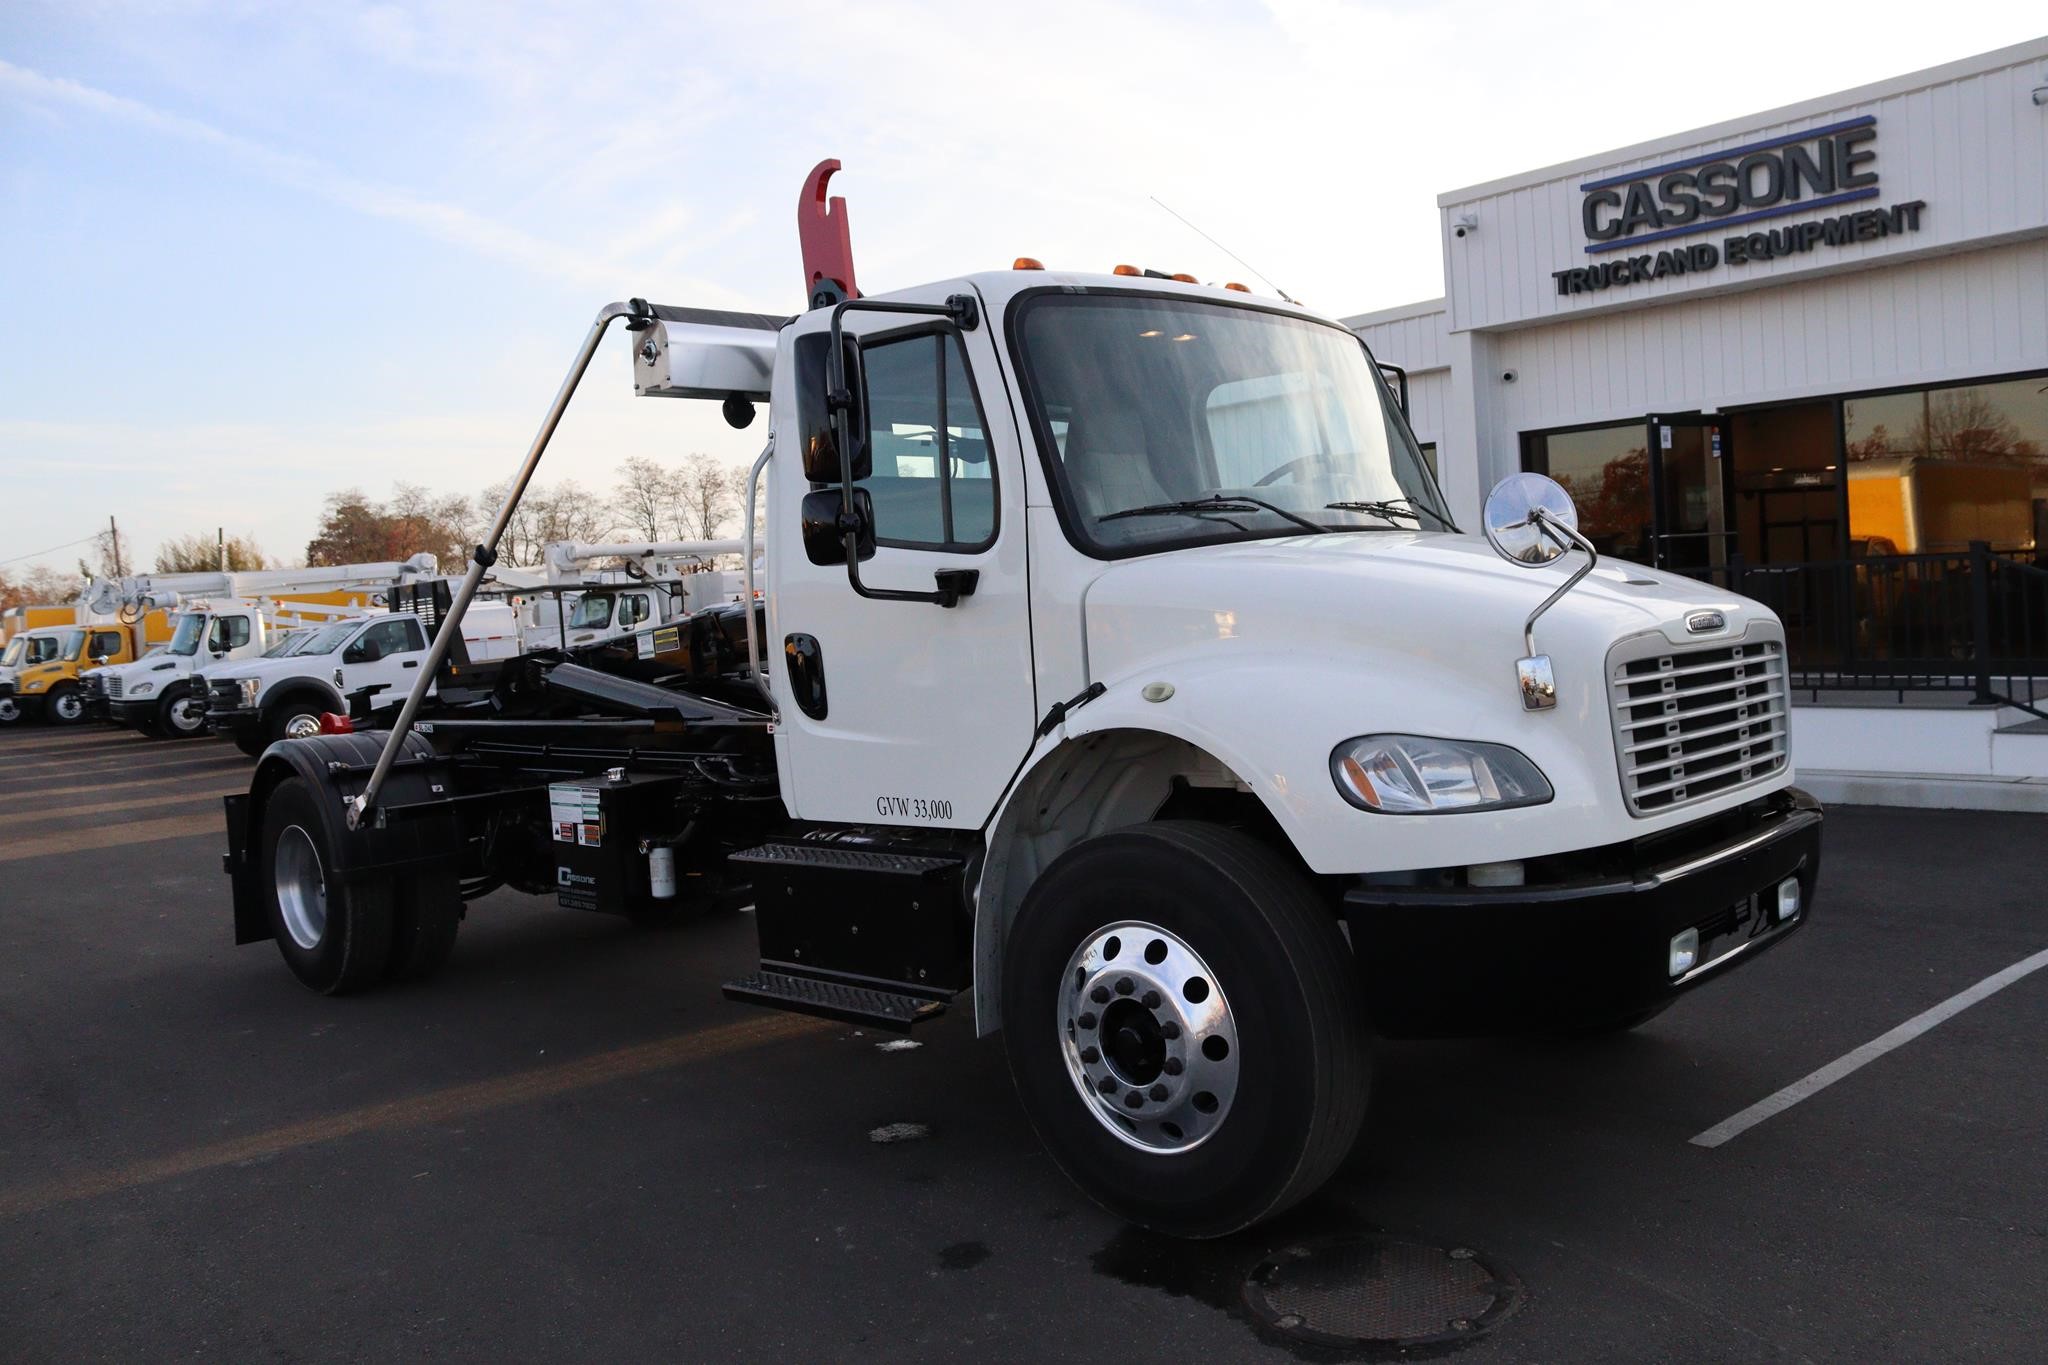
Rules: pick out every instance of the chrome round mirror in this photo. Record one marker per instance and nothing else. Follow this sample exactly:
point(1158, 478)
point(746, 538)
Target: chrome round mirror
point(1514, 533)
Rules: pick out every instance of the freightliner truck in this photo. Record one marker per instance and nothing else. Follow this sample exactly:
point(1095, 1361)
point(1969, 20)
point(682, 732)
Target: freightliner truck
point(1121, 675)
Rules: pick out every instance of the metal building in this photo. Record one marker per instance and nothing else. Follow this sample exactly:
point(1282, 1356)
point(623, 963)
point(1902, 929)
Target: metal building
point(1803, 355)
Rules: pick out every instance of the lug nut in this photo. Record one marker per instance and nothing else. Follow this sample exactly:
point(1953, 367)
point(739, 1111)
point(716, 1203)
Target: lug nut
point(1100, 995)
point(1133, 1100)
point(1124, 986)
point(1107, 1085)
point(1158, 1092)
point(1090, 1055)
point(1173, 1066)
point(1088, 1019)
point(1168, 1030)
point(1150, 1000)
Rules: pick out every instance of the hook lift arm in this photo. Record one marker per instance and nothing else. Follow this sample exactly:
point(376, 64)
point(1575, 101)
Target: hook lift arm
point(486, 554)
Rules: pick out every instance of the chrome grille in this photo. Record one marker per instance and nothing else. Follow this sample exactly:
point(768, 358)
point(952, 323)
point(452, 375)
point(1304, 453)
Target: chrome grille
point(111, 684)
point(1694, 722)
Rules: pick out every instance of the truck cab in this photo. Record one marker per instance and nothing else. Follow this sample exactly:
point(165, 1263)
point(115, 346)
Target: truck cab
point(1124, 675)
point(48, 683)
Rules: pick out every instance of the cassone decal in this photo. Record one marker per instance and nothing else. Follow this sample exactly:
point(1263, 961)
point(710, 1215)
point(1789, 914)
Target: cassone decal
point(1818, 168)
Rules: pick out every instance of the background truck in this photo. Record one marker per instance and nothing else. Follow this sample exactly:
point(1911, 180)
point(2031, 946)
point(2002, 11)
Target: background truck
point(1119, 669)
point(229, 616)
point(261, 701)
point(15, 620)
point(53, 687)
point(592, 592)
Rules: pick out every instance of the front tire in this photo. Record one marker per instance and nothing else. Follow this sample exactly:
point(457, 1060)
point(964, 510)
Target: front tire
point(335, 936)
point(10, 710)
point(1185, 1027)
point(180, 715)
point(66, 704)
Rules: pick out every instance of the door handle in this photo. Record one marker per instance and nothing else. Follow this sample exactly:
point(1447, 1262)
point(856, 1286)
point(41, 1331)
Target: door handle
point(412, 663)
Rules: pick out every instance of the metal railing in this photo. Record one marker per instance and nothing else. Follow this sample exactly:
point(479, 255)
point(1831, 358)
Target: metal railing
point(1972, 620)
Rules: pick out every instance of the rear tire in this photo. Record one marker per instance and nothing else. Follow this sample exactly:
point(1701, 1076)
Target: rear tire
point(180, 715)
point(335, 936)
point(1238, 1027)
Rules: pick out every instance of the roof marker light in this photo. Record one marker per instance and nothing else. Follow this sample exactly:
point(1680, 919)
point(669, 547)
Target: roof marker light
point(1242, 289)
point(1027, 263)
point(1187, 279)
point(1127, 270)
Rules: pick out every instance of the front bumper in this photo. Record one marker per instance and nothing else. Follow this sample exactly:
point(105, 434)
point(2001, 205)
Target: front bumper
point(131, 711)
point(232, 720)
point(1587, 941)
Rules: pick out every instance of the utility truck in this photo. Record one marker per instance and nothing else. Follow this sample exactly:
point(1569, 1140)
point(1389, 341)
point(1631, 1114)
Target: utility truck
point(53, 685)
point(650, 583)
point(232, 615)
point(1121, 673)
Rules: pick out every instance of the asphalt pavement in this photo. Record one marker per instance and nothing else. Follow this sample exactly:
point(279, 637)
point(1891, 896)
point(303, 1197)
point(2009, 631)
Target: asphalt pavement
point(569, 1147)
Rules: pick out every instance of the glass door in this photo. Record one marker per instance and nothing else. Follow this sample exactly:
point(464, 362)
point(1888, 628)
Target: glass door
point(1689, 531)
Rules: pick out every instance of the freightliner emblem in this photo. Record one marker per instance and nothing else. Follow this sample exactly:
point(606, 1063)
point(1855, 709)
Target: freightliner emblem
point(1700, 622)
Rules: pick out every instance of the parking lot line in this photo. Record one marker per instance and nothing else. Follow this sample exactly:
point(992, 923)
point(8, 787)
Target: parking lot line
point(1834, 1071)
point(115, 765)
point(178, 780)
point(184, 796)
point(114, 836)
point(438, 1106)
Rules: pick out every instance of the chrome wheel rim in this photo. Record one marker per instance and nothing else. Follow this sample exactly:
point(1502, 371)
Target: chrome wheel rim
point(10, 710)
point(69, 706)
point(302, 726)
point(187, 715)
point(1148, 1036)
point(301, 888)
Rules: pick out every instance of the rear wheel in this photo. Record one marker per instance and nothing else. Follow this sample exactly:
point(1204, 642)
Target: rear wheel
point(335, 936)
point(1185, 1026)
point(181, 715)
point(66, 704)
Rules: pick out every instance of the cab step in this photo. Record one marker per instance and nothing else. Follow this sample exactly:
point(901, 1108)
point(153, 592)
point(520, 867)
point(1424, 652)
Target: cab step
point(864, 1005)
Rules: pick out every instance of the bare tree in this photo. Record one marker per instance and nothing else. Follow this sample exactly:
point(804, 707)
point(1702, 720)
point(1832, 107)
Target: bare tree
point(706, 496)
point(201, 553)
point(645, 493)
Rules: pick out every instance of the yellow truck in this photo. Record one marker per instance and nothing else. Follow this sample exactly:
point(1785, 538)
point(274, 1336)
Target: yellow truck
point(16, 620)
point(47, 683)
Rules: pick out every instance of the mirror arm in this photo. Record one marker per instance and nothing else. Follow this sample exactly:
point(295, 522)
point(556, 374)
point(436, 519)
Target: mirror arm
point(964, 313)
point(1551, 527)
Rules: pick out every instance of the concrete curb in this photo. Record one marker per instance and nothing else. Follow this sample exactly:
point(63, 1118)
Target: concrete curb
point(1927, 791)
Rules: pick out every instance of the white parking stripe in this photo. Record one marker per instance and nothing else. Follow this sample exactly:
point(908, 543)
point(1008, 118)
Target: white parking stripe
point(1869, 1052)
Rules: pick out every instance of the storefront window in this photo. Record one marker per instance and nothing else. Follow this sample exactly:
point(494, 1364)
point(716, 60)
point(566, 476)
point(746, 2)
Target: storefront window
point(1934, 469)
point(1607, 472)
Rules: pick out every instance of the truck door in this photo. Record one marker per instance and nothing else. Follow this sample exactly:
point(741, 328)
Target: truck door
point(386, 654)
point(230, 635)
point(904, 712)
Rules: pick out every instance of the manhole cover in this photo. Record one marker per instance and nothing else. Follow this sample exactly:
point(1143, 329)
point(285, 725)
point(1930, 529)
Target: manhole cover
point(1379, 1291)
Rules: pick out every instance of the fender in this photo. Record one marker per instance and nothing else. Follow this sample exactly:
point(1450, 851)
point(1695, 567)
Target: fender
point(337, 767)
point(330, 700)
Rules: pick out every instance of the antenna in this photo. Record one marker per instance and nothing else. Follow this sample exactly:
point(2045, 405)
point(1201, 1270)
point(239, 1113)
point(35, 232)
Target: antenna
point(1228, 252)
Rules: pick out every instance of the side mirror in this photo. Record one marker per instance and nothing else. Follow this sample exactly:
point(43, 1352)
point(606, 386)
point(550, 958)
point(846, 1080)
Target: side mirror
point(824, 539)
point(817, 434)
point(365, 652)
point(1517, 511)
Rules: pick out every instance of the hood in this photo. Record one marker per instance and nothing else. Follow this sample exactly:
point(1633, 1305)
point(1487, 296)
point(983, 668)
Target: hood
point(1444, 599)
point(269, 670)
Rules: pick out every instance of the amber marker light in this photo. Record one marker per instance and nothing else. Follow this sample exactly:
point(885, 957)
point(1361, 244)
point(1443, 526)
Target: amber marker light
point(1127, 270)
point(1187, 279)
point(1238, 287)
point(1027, 263)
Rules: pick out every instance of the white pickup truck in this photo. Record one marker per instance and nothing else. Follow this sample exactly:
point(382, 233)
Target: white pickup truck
point(267, 699)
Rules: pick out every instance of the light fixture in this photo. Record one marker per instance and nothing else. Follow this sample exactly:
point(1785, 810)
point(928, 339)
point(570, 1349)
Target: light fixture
point(1185, 336)
point(1153, 333)
point(1685, 951)
point(1788, 900)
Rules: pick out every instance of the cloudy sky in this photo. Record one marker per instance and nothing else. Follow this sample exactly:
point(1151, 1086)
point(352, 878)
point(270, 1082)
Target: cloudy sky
point(251, 253)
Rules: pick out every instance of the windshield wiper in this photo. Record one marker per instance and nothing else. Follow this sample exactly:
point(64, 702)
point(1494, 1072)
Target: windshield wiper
point(1391, 508)
point(1217, 503)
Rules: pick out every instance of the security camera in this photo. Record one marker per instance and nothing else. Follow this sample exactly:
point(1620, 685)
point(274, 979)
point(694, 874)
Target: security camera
point(1508, 376)
point(1463, 224)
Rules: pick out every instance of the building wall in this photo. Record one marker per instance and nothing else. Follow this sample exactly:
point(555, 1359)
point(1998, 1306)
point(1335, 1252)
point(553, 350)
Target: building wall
point(1966, 138)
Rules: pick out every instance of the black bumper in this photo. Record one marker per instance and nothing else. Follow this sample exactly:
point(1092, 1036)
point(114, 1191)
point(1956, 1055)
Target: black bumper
point(233, 720)
point(130, 711)
point(1589, 947)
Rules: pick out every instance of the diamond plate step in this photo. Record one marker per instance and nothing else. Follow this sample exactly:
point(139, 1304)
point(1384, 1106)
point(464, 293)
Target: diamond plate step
point(862, 1005)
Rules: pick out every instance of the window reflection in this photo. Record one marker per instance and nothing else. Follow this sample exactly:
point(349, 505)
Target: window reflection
point(1935, 469)
point(1607, 472)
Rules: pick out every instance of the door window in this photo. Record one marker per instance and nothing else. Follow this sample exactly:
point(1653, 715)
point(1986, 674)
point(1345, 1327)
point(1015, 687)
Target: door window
point(933, 485)
point(105, 643)
point(230, 632)
point(396, 635)
point(633, 609)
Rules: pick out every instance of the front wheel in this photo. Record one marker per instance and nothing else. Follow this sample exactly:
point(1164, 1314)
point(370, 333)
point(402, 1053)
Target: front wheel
point(10, 710)
point(1185, 1027)
point(294, 719)
point(181, 715)
point(66, 705)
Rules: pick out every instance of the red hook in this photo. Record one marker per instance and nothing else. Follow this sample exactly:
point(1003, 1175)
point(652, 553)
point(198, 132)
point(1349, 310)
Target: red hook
point(827, 248)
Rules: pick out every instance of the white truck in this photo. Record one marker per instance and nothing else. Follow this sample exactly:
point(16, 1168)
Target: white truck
point(1120, 671)
point(654, 583)
point(227, 616)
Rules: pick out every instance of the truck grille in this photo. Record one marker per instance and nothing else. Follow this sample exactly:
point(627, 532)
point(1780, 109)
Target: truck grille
point(1693, 723)
point(110, 685)
point(223, 694)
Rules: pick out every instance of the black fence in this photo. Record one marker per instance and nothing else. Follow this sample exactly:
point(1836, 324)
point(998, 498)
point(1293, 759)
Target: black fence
point(1974, 620)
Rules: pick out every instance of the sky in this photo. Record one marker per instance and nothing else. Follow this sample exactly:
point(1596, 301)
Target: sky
point(253, 253)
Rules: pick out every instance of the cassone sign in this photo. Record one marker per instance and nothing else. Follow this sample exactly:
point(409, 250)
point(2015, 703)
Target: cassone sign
point(1776, 177)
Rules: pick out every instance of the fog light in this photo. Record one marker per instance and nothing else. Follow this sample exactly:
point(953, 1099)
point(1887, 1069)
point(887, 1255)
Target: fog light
point(1788, 900)
point(1685, 951)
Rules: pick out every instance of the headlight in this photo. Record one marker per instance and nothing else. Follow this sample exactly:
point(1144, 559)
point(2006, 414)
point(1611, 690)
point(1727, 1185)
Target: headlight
point(142, 689)
point(249, 688)
point(1416, 775)
point(33, 684)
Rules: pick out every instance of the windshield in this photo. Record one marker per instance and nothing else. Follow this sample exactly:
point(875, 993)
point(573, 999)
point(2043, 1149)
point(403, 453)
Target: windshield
point(289, 645)
point(37, 649)
point(593, 609)
point(328, 638)
point(69, 643)
point(1268, 418)
point(11, 656)
point(185, 639)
